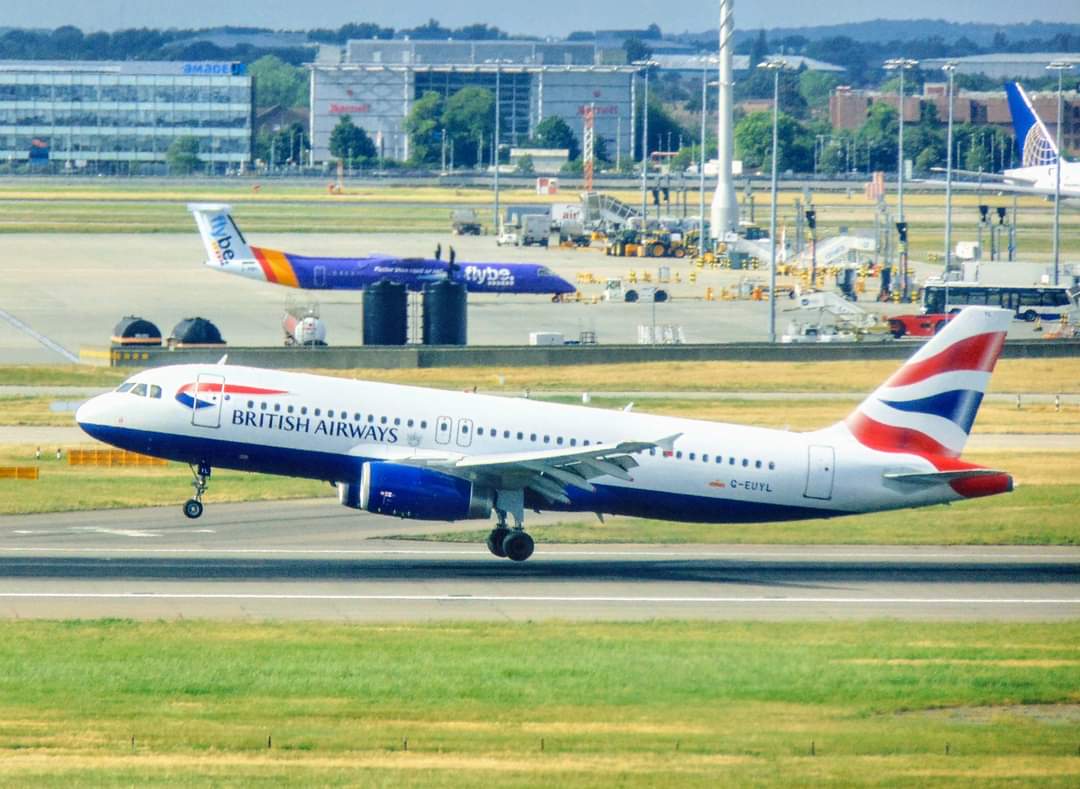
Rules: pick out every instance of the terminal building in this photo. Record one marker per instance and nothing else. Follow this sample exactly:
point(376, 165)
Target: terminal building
point(120, 115)
point(375, 82)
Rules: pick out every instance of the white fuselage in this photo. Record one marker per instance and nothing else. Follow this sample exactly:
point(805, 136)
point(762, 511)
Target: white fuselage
point(326, 428)
point(1043, 178)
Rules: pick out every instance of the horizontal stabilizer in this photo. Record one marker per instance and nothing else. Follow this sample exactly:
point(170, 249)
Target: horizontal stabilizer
point(936, 477)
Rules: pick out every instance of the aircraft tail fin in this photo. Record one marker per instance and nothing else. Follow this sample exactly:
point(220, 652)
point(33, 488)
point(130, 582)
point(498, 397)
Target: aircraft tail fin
point(928, 406)
point(221, 237)
point(1034, 145)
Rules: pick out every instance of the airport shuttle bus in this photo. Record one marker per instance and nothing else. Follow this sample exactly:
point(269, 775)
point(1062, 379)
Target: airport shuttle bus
point(1047, 302)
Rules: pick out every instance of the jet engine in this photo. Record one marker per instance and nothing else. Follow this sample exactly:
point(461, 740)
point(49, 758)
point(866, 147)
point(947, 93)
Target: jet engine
point(415, 492)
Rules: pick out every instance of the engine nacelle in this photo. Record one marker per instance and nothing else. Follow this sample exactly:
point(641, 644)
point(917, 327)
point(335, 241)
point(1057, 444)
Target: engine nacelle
point(415, 492)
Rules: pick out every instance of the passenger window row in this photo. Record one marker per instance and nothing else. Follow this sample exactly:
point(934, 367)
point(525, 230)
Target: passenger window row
point(718, 459)
point(330, 413)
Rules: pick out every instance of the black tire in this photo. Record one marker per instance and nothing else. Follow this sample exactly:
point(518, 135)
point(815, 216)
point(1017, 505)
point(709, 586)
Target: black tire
point(193, 509)
point(897, 329)
point(495, 542)
point(1030, 316)
point(939, 326)
point(518, 546)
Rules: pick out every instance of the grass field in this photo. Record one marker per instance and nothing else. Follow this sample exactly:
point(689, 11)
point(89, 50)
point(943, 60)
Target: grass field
point(117, 205)
point(660, 703)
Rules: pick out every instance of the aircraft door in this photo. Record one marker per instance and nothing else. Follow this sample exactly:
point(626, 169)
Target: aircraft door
point(443, 427)
point(207, 399)
point(464, 432)
point(819, 473)
point(320, 276)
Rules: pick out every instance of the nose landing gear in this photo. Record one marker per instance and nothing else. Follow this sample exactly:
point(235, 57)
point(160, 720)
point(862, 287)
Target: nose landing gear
point(193, 507)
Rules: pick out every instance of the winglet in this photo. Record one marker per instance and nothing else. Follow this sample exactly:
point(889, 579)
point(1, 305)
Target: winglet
point(668, 444)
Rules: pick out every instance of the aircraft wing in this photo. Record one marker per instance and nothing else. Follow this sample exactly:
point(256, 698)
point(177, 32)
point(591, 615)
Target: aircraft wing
point(548, 472)
point(977, 174)
point(999, 187)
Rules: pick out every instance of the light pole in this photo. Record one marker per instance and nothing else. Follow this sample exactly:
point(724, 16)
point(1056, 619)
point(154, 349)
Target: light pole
point(701, 158)
point(1060, 66)
point(498, 96)
point(901, 65)
point(775, 66)
point(950, 69)
point(646, 64)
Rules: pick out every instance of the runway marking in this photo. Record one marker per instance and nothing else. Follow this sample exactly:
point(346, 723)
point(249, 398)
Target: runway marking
point(1072, 556)
point(115, 532)
point(457, 598)
point(41, 338)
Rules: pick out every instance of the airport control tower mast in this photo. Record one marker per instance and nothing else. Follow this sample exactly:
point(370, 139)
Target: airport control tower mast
point(725, 211)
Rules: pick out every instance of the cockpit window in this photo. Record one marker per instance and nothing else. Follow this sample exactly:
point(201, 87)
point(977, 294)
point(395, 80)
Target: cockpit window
point(544, 271)
point(124, 387)
point(155, 391)
point(139, 390)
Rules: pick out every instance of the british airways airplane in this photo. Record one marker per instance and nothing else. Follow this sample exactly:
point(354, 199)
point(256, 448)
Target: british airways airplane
point(228, 251)
point(435, 455)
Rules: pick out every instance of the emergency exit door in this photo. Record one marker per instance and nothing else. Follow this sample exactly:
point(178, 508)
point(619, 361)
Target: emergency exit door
point(821, 463)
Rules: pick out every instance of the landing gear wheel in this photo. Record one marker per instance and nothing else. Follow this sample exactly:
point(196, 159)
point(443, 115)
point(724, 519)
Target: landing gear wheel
point(518, 546)
point(495, 541)
point(193, 508)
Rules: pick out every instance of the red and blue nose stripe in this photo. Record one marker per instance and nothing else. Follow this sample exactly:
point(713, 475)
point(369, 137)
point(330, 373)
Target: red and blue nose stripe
point(188, 394)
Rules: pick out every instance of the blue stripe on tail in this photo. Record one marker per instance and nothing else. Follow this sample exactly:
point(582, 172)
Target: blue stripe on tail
point(959, 406)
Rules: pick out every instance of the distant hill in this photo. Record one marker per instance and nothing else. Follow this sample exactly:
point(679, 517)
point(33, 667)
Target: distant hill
point(887, 30)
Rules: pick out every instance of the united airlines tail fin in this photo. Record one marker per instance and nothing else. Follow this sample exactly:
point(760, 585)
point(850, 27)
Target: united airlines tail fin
point(928, 406)
point(1034, 145)
point(221, 237)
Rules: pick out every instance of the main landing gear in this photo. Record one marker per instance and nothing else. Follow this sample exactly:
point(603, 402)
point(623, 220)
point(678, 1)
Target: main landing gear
point(514, 544)
point(193, 507)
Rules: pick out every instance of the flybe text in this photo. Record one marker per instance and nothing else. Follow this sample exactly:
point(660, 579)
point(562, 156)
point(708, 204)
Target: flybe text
point(334, 428)
point(219, 228)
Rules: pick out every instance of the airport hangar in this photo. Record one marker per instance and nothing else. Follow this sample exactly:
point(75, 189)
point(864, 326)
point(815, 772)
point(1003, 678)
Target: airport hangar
point(376, 82)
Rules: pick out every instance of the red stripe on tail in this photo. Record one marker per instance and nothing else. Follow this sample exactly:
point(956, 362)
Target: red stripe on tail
point(886, 438)
point(978, 354)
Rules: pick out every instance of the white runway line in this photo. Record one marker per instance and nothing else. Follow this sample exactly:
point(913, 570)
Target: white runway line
point(465, 598)
point(554, 554)
point(41, 338)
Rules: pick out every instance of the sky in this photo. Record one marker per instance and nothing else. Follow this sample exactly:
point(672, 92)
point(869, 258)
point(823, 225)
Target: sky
point(551, 17)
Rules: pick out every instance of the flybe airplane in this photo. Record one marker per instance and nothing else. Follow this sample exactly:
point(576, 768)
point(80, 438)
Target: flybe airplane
point(228, 251)
point(1037, 151)
point(427, 454)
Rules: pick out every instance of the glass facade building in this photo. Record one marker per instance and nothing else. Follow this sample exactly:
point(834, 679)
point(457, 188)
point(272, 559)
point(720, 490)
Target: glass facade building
point(377, 81)
point(78, 114)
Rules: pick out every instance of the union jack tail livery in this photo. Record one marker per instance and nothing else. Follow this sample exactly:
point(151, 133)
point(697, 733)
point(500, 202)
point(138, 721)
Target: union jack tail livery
point(928, 406)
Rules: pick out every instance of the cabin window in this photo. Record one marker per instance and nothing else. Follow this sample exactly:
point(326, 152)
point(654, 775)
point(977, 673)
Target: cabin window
point(303, 409)
point(745, 462)
point(573, 442)
point(397, 420)
point(317, 412)
point(585, 442)
point(771, 465)
point(719, 458)
point(653, 451)
point(520, 435)
point(277, 406)
point(262, 406)
point(757, 464)
point(559, 440)
point(731, 461)
point(356, 417)
point(532, 436)
point(506, 434)
point(382, 420)
point(423, 423)
point(330, 414)
point(371, 418)
point(409, 423)
point(692, 456)
point(678, 455)
point(289, 409)
point(547, 439)
point(251, 403)
point(705, 458)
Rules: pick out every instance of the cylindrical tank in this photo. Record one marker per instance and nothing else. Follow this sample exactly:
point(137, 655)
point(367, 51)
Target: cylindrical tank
point(133, 330)
point(386, 314)
point(303, 329)
point(195, 331)
point(445, 313)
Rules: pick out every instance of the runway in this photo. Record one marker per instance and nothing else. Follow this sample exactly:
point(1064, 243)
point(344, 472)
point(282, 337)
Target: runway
point(314, 560)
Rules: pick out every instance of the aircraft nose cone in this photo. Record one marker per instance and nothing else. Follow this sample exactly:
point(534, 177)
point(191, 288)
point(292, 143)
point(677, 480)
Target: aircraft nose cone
point(90, 414)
